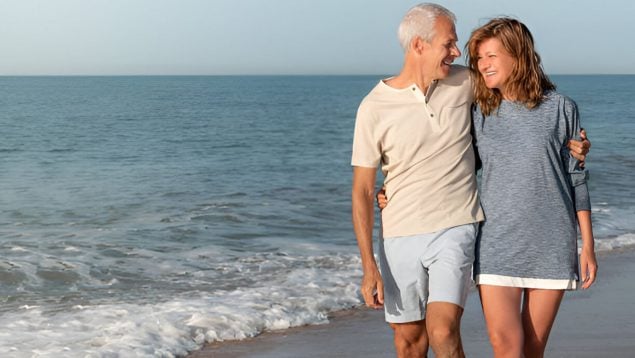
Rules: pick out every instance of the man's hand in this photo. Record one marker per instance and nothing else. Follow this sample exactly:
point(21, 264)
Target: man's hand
point(373, 288)
point(579, 149)
point(382, 199)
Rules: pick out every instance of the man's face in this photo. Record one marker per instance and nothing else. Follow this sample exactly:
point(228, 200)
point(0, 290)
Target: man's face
point(442, 50)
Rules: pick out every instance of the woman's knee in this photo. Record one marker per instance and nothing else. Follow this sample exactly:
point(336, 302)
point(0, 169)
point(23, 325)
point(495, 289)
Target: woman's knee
point(506, 342)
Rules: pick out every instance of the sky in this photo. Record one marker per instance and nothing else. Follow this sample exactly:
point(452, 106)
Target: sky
point(271, 37)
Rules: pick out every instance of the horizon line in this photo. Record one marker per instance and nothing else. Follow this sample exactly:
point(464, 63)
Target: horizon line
point(267, 75)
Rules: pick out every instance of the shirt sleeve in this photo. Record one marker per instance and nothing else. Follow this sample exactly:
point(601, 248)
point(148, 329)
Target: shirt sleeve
point(366, 145)
point(578, 176)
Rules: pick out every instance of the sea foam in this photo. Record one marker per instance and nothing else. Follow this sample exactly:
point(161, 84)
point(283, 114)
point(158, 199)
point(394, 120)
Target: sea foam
point(177, 326)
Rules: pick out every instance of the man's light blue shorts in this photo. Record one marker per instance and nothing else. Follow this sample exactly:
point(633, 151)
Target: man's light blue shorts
point(431, 267)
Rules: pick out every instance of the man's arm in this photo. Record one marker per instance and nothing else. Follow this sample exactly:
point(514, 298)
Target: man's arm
point(363, 219)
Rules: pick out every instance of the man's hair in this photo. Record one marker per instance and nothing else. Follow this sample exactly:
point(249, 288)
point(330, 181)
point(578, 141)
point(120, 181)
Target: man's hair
point(527, 82)
point(419, 21)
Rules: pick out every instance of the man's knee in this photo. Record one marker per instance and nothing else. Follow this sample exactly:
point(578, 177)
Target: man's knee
point(444, 335)
point(410, 336)
point(410, 332)
point(443, 323)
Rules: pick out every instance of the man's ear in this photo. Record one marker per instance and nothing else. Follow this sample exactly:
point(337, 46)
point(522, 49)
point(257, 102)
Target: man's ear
point(418, 45)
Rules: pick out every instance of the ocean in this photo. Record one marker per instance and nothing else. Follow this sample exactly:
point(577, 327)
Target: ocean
point(145, 216)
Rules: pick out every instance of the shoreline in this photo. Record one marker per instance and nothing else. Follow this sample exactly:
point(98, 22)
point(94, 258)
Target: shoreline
point(591, 323)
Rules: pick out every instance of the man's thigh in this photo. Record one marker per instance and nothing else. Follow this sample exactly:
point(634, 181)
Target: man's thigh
point(450, 265)
point(405, 278)
point(409, 264)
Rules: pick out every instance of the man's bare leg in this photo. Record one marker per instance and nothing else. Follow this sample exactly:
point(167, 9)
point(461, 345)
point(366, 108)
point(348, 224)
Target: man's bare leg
point(443, 325)
point(411, 339)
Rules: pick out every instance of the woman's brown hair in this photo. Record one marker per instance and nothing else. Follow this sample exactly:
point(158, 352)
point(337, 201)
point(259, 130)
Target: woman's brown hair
point(527, 82)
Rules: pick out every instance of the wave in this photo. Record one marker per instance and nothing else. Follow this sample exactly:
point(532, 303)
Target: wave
point(283, 292)
point(62, 150)
point(615, 243)
point(181, 324)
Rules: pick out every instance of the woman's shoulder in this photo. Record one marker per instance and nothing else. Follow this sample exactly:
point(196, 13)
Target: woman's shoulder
point(556, 98)
point(564, 106)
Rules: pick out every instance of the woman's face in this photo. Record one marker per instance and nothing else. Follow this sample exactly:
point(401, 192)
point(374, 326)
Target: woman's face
point(495, 64)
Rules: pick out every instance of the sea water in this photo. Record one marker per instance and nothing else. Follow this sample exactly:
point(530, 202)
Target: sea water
point(144, 216)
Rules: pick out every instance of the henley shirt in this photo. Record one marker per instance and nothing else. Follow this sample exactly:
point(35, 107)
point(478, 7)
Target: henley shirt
point(424, 146)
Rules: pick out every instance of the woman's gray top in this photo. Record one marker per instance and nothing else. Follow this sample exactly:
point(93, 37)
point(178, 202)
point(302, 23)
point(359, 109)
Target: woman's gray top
point(530, 190)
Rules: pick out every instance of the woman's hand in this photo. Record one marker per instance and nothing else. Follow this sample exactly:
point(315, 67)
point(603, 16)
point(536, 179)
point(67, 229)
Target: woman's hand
point(382, 199)
point(588, 267)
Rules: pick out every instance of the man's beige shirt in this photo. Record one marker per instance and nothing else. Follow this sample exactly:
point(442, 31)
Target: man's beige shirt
point(425, 151)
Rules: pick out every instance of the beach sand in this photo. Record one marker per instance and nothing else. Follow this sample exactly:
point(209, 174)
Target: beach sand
point(599, 322)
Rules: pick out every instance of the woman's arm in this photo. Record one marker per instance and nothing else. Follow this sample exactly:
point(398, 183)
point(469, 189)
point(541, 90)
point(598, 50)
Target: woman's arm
point(588, 263)
point(578, 176)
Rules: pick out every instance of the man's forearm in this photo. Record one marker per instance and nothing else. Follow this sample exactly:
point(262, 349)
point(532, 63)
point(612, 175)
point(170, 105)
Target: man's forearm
point(363, 220)
point(363, 213)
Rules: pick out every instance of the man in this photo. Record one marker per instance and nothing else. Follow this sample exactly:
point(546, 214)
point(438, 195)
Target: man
point(417, 125)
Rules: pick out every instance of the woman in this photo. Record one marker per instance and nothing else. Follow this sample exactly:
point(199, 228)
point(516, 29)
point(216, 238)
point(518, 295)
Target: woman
point(532, 191)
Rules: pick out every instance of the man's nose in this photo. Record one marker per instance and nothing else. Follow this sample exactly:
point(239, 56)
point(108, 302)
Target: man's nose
point(456, 52)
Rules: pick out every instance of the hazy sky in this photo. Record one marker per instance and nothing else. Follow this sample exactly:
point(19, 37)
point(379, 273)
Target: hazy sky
point(64, 37)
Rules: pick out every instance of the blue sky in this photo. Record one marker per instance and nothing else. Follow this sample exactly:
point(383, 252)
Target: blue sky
point(215, 37)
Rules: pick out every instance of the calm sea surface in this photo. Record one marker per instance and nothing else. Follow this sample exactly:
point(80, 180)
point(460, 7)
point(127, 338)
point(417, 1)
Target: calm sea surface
point(146, 215)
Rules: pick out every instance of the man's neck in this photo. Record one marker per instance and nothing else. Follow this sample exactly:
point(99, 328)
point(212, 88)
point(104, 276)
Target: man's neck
point(409, 77)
